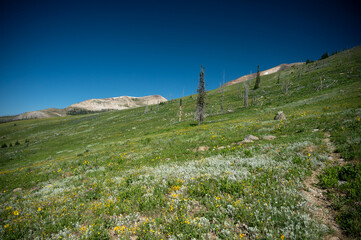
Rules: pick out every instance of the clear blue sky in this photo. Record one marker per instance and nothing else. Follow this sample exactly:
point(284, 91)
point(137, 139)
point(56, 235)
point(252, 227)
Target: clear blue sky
point(54, 53)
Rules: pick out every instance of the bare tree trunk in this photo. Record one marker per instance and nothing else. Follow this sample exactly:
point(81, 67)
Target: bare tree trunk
point(146, 108)
point(222, 94)
point(245, 97)
point(285, 86)
point(180, 110)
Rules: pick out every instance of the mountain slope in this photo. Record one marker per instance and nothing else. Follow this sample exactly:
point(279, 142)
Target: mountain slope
point(93, 105)
point(146, 175)
point(263, 73)
point(116, 103)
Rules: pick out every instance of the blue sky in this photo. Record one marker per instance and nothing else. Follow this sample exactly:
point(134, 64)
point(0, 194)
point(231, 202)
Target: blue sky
point(56, 53)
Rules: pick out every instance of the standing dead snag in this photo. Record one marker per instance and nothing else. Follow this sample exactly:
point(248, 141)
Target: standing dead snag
point(180, 110)
point(200, 104)
point(245, 98)
point(146, 110)
point(222, 93)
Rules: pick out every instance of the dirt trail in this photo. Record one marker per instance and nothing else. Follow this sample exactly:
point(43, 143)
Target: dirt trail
point(320, 206)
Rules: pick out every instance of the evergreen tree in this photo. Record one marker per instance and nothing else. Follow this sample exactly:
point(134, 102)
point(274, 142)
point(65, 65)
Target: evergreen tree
point(258, 79)
point(200, 104)
point(324, 56)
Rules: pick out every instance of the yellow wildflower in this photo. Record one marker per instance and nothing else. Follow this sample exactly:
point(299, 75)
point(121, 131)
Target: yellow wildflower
point(16, 212)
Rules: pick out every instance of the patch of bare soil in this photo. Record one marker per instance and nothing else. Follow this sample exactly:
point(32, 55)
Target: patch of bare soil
point(320, 206)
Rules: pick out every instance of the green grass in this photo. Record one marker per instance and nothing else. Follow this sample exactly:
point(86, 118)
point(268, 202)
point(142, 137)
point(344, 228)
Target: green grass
point(125, 174)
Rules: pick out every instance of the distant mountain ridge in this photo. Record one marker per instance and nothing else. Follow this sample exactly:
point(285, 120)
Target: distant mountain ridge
point(123, 102)
point(92, 105)
point(278, 68)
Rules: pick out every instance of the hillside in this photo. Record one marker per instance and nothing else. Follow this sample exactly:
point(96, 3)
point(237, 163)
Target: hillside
point(134, 174)
point(90, 106)
point(276, 69)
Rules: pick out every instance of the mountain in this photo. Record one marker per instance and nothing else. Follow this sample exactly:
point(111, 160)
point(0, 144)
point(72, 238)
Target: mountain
point(239, 175)
point(278, 68)
point(93, 105)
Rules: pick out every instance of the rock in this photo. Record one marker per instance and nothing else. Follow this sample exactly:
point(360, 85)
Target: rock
point(327, 135)
point(66, 174)
point(269, 137)
point(341, 182)
point(250, 137)
point(280, 116)
point(17, 189)
point(203, 148)
point(134, 128)
point(244, 141)
point(315, 130)
point(34, 189)
point(334, 238)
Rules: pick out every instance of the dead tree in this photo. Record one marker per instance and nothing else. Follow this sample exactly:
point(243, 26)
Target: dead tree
point(285, 86)
point(222, 94)
point(180, 110)
point(146, 110)
point(245, 96)
point(200, 104)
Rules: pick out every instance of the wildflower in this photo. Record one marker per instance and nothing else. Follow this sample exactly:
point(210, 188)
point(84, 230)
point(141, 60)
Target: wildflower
point(39, 209)
point(6, 226)
point(282, 237)
point(16, 212)
point(8, 208)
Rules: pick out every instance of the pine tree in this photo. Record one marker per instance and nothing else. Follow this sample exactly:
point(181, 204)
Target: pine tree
point(200, 104)
point(258, 79)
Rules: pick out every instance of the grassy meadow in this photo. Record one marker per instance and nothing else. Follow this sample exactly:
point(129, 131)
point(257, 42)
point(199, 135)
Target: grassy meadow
point(136, 175)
